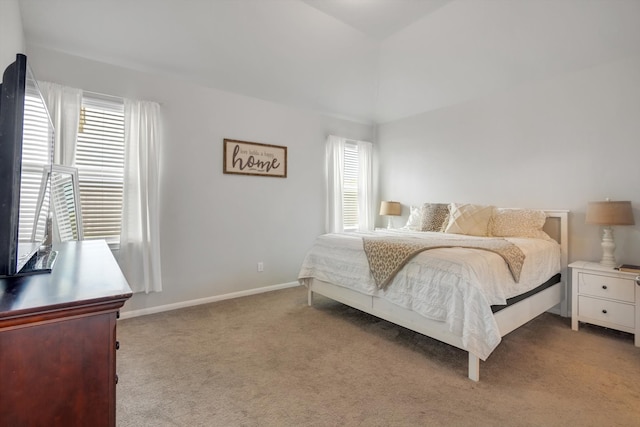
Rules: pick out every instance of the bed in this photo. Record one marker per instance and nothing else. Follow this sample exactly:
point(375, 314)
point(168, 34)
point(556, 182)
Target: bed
point(466, 296)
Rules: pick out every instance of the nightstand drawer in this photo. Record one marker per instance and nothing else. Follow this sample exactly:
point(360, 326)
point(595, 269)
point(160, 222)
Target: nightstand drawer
point(607, 287)
point(607, 311)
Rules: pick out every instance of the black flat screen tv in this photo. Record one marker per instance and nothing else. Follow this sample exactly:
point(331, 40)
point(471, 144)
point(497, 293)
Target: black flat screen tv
point(26, 149)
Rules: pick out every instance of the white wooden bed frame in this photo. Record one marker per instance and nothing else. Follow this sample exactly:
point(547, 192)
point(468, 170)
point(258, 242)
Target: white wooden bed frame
point(508, 319)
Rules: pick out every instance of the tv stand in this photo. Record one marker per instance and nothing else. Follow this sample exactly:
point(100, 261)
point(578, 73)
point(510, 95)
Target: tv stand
point(41, 262)
point(58, 340)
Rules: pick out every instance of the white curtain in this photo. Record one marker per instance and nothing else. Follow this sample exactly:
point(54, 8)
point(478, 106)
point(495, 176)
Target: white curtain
point(139, 254)
point(64, 105)
point(365, 178)
point(334, 167)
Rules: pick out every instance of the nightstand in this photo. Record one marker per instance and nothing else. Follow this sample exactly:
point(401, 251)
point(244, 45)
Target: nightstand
point(605, 297)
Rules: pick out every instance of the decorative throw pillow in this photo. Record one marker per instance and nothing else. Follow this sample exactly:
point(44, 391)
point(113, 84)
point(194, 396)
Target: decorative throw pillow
point(472, 220)
point(414, 222)
point(518, 223)
point(434, 216)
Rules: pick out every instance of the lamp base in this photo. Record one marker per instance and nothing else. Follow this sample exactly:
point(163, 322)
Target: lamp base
point(608, 248)
point(389, 224)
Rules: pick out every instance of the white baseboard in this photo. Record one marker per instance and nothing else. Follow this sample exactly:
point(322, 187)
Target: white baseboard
point(191, 303)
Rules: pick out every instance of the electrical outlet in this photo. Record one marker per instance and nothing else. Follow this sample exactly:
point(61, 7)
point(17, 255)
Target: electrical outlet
point(260, 267)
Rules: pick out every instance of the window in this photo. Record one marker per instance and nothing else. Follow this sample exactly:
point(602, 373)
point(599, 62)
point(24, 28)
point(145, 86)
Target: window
point(37, 142)
point(100, 161)
point(348, 183)
point(350, 187)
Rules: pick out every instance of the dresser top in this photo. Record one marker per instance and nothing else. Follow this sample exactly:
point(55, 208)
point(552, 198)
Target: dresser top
point(597, 267)
point(84, 273)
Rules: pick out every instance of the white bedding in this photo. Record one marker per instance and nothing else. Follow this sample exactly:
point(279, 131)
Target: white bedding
point(452, 285)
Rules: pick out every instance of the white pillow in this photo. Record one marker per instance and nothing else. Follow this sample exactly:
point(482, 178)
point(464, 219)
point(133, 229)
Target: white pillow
point(518, 223)
point(414, 222)
point(469, 219)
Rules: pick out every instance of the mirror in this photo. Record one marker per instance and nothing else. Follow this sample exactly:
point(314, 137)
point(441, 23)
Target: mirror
point(65, 202)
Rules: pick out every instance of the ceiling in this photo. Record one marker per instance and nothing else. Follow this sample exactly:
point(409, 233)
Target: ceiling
point(366, 60)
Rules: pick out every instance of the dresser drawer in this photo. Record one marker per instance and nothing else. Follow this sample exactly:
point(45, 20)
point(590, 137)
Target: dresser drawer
point(617, 288)
point(607, 311)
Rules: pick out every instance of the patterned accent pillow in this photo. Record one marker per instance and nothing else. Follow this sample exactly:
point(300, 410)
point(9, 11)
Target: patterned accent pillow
point(434, 216)
point(414, 222)
point(472, 220)
point(518, 223)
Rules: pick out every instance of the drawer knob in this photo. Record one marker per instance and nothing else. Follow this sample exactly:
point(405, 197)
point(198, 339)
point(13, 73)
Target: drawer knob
point(638, 280)
point(604, 286)
point(604, 311)
point(117, 345)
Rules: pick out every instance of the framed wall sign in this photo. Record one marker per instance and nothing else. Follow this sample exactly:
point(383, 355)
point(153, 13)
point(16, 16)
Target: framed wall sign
point(252, 158)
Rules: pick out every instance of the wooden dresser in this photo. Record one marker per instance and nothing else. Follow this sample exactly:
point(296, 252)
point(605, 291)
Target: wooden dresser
point(58, 340)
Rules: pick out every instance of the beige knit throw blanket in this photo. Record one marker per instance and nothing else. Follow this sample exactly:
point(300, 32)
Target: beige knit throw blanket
point(387, 255)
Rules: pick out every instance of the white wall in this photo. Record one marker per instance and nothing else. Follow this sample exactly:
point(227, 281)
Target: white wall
point(559, 140)
point(215, 228)
point(11, 34)
point(557, 143)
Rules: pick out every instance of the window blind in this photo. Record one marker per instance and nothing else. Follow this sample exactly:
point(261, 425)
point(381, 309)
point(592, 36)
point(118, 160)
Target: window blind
point(100, 162)
point(350, 187)
point(36, 152)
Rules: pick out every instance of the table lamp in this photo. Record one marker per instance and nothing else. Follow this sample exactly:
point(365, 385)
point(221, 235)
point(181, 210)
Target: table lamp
point(607, 214)
point(390, 209)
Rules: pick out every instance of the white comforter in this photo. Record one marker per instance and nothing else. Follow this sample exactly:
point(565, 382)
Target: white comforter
point(452, 285)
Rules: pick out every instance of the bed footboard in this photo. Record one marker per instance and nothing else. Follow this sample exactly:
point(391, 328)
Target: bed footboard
point(508, 318)
point(392, 313)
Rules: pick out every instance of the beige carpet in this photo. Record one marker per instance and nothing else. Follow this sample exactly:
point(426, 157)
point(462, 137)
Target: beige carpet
point(270, 360)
